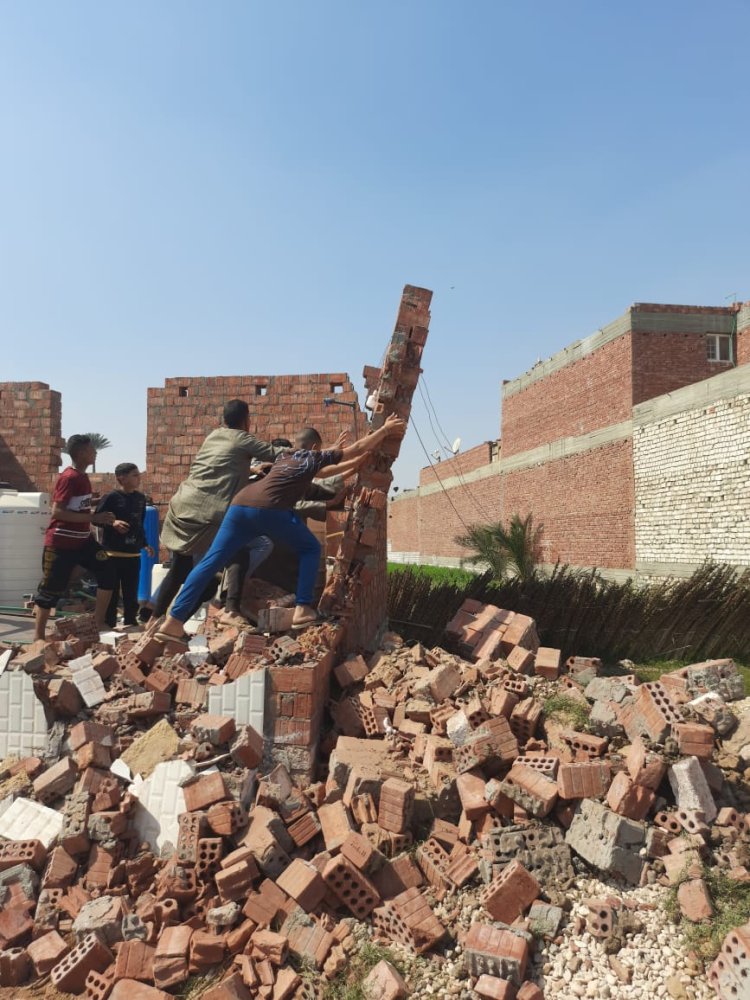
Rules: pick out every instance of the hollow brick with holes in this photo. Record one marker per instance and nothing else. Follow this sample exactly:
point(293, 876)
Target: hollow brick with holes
point(69, 974)
point(510, 892)
point(353, 889)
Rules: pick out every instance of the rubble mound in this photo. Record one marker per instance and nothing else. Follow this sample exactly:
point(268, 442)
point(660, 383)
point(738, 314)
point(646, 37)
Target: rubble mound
point(508, 825)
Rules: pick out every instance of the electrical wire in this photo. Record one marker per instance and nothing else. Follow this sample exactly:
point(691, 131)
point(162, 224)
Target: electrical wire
point(437, 476)
point(482, 512)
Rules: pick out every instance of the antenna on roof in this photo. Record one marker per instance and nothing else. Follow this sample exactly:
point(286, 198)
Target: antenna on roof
point(732, 296)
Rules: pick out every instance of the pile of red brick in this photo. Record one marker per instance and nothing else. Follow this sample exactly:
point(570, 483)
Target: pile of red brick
point(447, 778)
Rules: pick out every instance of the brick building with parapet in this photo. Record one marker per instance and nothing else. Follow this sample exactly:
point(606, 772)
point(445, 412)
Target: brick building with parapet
point(630, 447)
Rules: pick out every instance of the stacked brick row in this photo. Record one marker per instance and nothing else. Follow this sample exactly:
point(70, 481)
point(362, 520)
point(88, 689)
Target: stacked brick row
point(31, 439)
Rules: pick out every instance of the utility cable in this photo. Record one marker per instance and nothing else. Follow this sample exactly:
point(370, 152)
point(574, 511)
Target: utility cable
point(482, 512)
point(437, 476)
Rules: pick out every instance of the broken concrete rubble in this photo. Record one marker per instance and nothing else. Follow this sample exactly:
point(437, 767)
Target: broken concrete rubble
point(150, 880)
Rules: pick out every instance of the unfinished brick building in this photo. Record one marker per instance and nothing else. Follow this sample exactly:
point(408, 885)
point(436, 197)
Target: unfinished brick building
point(185, 410)
point(30, 435)
point(570, 436)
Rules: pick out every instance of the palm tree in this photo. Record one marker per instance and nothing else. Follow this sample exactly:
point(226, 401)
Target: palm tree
point(99, 441)
point(511, 550)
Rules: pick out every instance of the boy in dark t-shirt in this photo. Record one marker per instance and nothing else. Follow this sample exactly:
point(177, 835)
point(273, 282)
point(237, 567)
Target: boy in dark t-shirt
point(68, 541)
point(266, 507)
point(124, 540)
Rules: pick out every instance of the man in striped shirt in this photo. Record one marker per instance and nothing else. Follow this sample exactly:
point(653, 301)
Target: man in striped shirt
point(68, 541)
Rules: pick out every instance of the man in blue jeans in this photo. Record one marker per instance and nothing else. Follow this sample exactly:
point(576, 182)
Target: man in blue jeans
point(265, 507)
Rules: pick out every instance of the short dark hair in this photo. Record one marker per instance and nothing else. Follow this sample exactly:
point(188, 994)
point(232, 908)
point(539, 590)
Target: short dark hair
point(125, 468)
point(75, 443)
point(308, 437)
point(236, 413)
point(282, 443)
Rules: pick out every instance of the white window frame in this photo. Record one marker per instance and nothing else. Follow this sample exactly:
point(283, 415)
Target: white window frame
point(714, 344)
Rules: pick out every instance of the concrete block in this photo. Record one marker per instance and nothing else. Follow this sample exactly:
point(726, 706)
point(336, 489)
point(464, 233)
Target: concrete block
point(607, 841)
point(691, 789)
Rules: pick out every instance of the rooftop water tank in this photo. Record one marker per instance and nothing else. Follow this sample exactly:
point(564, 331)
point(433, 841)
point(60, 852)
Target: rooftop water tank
point(23, 520)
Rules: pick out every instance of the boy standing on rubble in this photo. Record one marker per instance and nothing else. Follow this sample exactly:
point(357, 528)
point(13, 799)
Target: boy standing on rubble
point(68, 541)
point(124, 540)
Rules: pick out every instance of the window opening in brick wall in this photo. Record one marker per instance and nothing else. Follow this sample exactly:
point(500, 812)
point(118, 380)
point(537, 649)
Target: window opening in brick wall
point(261, 390)
point(184, 390)
point(719, 347)
point(337, 387)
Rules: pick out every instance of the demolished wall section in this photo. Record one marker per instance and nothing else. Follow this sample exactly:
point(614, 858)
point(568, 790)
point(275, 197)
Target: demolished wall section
point(358, 586)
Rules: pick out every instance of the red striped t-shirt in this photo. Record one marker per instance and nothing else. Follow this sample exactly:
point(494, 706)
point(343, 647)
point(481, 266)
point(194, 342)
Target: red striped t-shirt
point(72, 491)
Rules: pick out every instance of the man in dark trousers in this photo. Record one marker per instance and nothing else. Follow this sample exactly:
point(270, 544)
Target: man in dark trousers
point(219, 470)
point(266, 507)
point(68, 541)
point(124, 540)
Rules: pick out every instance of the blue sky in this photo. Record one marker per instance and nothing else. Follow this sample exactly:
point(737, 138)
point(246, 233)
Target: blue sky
point(244, 188)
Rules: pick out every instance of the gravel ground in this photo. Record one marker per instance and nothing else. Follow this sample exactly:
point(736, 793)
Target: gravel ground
point(652, 962)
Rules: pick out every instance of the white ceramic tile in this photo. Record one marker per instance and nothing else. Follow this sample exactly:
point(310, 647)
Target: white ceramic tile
point(80, 663)
point(160, 802)
point(23, 726)
point(90, 686)
point(243, 699)
point(28, 820)
point(5, 659)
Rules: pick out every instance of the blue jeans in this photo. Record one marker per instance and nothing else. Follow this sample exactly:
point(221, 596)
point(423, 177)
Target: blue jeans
point(239, 527)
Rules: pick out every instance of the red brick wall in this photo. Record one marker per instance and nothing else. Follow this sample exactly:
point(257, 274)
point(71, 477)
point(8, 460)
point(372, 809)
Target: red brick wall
point(743, 335)
point(586, 503)
point(105, 482)
point(444, 516)
point(30, 435)
point(592, 392)
point(663, 362)
point(185, 410)
point(403, 524)
point(459, 465)
point(428, 524)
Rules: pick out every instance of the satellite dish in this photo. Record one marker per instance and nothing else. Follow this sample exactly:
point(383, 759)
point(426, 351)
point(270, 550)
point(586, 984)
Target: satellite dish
point(456, 445)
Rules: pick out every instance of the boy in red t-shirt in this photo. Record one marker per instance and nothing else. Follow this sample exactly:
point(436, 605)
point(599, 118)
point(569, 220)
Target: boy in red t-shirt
point(68, 541)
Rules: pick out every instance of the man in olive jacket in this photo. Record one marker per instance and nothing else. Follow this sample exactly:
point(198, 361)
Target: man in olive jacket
point(219, 471)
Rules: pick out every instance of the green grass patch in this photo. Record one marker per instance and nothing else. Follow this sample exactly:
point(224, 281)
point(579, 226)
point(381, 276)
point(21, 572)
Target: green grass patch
point(439, 575)
point(562, 708)
point(348, 985)
point(731, 903)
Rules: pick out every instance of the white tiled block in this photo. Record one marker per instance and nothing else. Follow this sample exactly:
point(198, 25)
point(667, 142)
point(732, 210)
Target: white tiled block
point(28, 820)
point(243, 699)
point(160, 802)
point(90, 686)
point(23, 726)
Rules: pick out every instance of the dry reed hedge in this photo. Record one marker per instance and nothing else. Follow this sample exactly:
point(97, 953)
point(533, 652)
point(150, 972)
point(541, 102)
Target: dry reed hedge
point(707, 615)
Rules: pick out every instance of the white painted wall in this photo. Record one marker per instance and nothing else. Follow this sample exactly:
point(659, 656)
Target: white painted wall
point(691, 452)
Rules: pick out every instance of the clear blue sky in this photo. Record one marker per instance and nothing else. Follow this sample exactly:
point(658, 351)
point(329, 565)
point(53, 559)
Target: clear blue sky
point(244, 188)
